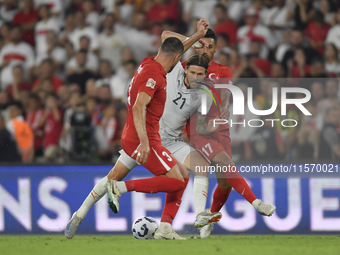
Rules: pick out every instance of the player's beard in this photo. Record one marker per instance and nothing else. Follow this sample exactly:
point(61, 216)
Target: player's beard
point(209, 58)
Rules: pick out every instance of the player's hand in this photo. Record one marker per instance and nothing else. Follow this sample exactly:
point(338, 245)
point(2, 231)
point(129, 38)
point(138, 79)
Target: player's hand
point(202, 27)
point(142, 152)
point(212, 126)
point(225, 113)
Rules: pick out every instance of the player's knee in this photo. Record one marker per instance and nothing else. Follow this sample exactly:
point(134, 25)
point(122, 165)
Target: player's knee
point(225, 186)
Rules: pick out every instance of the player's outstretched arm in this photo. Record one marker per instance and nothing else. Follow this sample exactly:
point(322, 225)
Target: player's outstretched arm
point(139, 119)
point(203, 126)
point(202, 27)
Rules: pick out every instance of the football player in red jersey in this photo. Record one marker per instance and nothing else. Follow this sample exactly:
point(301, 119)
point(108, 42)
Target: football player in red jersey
point(141, 141)
point(216, 147)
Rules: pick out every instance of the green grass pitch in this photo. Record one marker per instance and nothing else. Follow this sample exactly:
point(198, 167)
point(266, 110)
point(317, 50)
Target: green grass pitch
point(121, 245)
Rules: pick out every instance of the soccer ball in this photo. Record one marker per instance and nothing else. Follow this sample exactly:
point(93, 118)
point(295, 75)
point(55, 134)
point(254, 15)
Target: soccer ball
point(144, 228)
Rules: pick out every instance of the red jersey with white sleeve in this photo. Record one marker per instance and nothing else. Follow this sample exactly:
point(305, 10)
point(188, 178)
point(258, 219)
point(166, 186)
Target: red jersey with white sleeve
point(150, 78)
point(215, 73)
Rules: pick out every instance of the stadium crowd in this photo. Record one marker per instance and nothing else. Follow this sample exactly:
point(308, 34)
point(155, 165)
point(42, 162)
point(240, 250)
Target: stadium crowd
point(65, 66)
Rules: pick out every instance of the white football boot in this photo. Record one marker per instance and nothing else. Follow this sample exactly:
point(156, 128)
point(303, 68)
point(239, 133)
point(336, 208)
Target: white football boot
point(206, 230)
point(113, 194)
point(206, 217)
point(167, 233)
point(72, 226)
point(264, 209)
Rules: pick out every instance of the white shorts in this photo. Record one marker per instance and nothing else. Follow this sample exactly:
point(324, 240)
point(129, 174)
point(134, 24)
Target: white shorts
point(179, 149)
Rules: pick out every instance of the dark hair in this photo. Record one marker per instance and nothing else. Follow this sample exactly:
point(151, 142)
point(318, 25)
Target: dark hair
point(131, 61)
point(221, 6)
point(17, 104)
point(172, 45)
point(169, 22)
point(14, 26)
point(198, 60)
point(47, 60)
point(211, 34)
point(34, 96)
point(224, 36)
point(319, 17)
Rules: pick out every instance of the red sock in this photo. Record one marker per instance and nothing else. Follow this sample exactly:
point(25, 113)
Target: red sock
point(219, 199)
point(172, 203)
point(155, 184)
point(240, 185)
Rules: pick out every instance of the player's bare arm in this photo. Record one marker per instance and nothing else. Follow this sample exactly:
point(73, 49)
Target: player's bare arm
point(203, 126)
point(139, 113)
point(202, 27)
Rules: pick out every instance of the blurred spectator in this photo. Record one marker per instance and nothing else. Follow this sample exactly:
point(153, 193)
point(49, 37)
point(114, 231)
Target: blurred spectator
point(46, 24)
point(104, 97)
point(110, 42)
point(83, 30)
point(334, 33)
point(8, 9)
point(91, 16)
point(236, 9)
point(164, 9)
point(56, 6)
point(81, 74)
point(46, 71)
point(27, 18)
point(298, 67)
point(318, 92)
point(308, 133)
point(201, 9)
point(14, 53)
point(105, 73)
point(287, 52)
point(265, 143)
point(33, 117)
point(69, 28)
point(169, 24)
point(331, 100)
point(239, 133)
point(106, 132)
point(5, 33)
point(327, 8)
point(137, 37)
point(91, 58)
point(120, 82)
point(329, 140)
point(223, 58)
point(65, 141)
point(224, 24)
point(21, 131)
point(317, 69)
point(277, 70)
point(261, 63)
point(56, 53)
point(18, 84)
point(8, 146)
point(52, 122)
point(276, 18)
point(332, 63)
point(316, 32)
point(81, 132)
point(303, 13)
point(253, 31)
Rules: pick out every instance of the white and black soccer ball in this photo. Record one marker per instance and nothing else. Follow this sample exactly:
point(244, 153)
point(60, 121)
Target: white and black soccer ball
point(144, 228)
